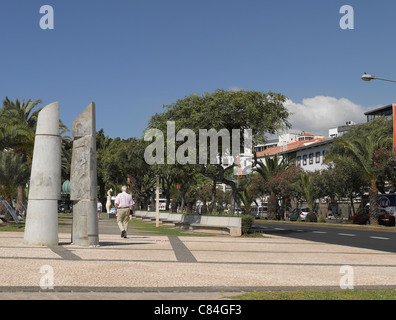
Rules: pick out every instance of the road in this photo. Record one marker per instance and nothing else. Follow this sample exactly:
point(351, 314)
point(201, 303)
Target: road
point(376, 240)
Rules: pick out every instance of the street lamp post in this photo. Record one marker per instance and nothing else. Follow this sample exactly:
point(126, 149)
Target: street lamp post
point(157, 193)
point(369, 77)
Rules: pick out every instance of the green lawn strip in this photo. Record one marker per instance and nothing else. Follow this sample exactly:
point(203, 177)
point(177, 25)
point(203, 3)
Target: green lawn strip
point(64, 222)
point(13, 227)
point(320, 295)
point(148, 227)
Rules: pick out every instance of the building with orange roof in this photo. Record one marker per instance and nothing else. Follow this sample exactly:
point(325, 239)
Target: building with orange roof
point(308, 154)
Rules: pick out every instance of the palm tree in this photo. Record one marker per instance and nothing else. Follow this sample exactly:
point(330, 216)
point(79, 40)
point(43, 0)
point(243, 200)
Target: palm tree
point(247, 198)
point(268, 169)
point(21, 118)
point(362, 150)
point(14, 172)
point(18, 121)
point(305, 188)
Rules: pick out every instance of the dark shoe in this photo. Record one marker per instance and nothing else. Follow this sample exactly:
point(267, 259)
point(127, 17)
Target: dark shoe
point(123, 234)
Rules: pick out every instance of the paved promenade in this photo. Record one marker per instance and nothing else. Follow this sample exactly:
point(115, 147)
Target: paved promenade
point(146, 266)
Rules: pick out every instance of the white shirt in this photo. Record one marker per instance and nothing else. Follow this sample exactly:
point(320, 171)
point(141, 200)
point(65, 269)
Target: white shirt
point(124, 200)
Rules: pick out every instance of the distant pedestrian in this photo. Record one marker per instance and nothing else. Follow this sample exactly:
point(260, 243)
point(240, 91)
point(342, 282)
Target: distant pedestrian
point(123, 204)
point(99, 208)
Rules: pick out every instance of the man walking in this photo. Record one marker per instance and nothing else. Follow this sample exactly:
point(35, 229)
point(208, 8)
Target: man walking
point(123, 203)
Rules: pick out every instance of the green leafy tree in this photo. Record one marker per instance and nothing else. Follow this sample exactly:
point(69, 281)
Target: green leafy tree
point(14, 171)
point(258, 111)
point(342, 178)
point(204, 194)
point(360, 146)
point(269, 169)
point(385, 167)
point(306, 188)
point(22, 119)
point(247, 198)
point(18, 121)
point(362, 151)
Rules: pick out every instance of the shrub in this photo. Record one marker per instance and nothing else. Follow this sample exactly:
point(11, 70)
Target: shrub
point(311, 217)
point(247, 221)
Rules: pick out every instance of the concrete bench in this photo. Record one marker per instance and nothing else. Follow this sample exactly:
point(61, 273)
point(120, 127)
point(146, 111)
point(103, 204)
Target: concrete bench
point(187, 220)
point(151, 216)
point(172, 219)
point(219, 225)
point(162, 216)
point(139, 214)
point(204, 224)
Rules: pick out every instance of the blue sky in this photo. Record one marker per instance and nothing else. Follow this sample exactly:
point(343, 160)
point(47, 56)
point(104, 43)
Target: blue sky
point(132, 57)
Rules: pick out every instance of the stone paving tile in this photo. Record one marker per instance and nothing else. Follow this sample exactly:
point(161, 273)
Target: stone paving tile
point(181, 263)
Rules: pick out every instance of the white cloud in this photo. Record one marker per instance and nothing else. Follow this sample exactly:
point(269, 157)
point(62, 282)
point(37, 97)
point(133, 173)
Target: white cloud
point(316, 115)
point(234, 88)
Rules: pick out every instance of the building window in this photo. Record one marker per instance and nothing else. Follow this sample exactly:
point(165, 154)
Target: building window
point(317, 155)
point(311, 158)
point(304, 160)
point(299, 161)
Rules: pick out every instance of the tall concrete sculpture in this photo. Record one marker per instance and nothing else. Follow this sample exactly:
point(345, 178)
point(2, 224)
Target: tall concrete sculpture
point(45, 180)
point(83, 179)
point(108, 201)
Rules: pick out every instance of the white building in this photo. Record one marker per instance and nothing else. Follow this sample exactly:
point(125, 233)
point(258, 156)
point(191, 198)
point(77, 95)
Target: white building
point(341, 130)
point(310, 156)
point(308, 153)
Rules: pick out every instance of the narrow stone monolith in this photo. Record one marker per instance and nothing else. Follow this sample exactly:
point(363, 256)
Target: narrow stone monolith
point(83, 179)
point(45, 180)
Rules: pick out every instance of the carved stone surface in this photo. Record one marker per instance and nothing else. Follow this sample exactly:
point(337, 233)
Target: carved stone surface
point(83, 184)
point(45, 180)
point(85, 124)
point(83, 179)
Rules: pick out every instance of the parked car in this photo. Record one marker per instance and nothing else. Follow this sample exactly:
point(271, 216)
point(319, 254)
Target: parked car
point(363, 217)
point(294, 215)
point(259, 212)
point(301, 213)
point(384, 218)
point(263, 212)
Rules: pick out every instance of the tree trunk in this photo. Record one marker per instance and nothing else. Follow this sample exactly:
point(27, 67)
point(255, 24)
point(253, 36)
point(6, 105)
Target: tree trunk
point(189, 207)
point(204, 208)
point(311, 217)
point(182, 202)
point(353, 209)
point(174, 206)
point(272, 207)
point(373, 198)
point(233, 197)
point(20, 196)
point(168, 201)
point(102, 191)
point(213, 202)
point(136, 206)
